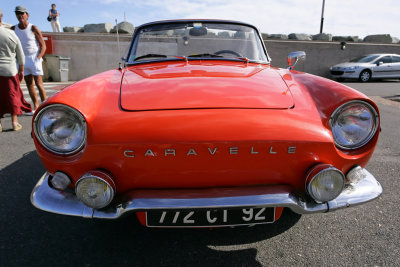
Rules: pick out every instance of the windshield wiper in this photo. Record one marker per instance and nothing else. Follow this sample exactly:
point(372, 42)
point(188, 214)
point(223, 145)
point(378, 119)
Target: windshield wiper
point(204, 55)
point(218, 56)
point(190, 56)
point(150, 55)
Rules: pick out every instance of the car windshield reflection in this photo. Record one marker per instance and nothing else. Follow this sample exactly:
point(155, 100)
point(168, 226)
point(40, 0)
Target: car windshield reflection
point(195, 40)
point(364, 59)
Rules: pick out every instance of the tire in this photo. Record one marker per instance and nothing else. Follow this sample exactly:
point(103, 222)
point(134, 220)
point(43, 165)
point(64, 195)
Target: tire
point(365, 76)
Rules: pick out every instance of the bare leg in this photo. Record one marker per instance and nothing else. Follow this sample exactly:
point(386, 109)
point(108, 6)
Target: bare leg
point(16, 125)
point(14, 119)
point(40, 86)
point(31, 89)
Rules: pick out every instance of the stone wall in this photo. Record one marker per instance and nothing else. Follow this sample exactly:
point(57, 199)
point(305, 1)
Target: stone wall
point(320, 56)
point(91, 53)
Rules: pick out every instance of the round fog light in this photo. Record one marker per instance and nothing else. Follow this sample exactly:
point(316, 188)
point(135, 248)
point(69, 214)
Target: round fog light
point(60, 181)
point(94, 189)
point(356, 174)
point(324, 183)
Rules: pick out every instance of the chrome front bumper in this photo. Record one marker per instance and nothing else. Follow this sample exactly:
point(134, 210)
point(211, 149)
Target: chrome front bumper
point(62, 202)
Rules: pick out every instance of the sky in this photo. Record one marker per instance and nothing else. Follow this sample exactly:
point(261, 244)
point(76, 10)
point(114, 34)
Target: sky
point(341, 17)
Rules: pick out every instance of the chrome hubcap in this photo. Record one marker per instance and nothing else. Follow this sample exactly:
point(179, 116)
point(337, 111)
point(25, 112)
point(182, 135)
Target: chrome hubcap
point(365, 76)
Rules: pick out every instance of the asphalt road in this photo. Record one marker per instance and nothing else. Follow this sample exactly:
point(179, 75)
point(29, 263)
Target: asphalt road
point(366, 235)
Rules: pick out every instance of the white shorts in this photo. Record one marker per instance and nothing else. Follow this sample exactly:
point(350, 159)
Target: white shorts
point(33, 65)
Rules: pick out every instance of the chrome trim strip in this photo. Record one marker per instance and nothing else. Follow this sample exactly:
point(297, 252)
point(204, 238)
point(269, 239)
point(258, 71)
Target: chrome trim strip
point(46, 198)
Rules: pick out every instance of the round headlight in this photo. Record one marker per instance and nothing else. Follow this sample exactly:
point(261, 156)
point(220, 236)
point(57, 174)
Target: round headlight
point(324, 183)
point(354, 124)
point(94, 191)
point(61, 129)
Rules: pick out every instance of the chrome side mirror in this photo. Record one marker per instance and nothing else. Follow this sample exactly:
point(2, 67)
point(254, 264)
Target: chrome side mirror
point(294, 57)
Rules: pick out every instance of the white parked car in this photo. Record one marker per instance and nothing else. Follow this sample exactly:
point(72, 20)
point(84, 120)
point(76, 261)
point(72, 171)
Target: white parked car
point(368, 67)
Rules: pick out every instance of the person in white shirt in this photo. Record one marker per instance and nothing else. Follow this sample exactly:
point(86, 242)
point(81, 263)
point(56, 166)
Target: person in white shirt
point(34, 48)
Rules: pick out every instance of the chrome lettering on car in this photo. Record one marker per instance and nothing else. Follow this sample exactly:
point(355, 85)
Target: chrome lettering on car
point(252, 151)
point(233, 150)
point(129, 153)
point(148, 153)
point(171, 152)
point(191, 152)
point(212, 152)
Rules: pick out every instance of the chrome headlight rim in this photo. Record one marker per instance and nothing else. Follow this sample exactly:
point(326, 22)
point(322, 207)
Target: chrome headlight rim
point(103, 177)
point(372, 133)
point(44, 143)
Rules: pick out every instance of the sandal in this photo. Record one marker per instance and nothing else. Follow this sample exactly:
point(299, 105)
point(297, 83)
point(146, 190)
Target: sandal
point(1, 128)
point(30, 113)
point(17, 127)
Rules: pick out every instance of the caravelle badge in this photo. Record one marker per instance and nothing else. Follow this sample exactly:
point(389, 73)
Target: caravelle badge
point(211, 151)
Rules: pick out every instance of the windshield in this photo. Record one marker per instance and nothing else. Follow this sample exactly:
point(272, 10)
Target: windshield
point(364, 59)
point(193, 40)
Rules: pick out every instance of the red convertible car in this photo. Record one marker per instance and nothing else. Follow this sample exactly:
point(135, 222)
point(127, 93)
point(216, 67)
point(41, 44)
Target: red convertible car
point(197, 129)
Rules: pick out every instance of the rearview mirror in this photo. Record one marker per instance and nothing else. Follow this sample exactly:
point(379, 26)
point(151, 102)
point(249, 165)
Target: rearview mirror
point(198, 31)
point(294, 57)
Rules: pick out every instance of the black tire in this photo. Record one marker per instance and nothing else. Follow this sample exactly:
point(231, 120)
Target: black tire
point(365, 76)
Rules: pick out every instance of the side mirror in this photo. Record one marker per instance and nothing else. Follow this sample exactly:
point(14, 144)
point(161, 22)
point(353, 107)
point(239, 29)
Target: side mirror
point(379, 63)
point(294, 57)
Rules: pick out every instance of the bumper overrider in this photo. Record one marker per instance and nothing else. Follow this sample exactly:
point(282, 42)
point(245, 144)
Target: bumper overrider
point(65, 202)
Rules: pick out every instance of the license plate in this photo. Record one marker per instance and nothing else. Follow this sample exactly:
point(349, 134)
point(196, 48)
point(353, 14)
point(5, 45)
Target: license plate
point(209, 217)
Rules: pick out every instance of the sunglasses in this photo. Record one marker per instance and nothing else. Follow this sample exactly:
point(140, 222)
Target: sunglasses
point(19, 13)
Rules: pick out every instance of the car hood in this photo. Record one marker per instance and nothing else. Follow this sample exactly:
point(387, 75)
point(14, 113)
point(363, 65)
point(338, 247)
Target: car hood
point(203, 84)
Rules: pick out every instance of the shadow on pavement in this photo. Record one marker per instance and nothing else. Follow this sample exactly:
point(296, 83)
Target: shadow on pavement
point(32, 237)
point(393, 98)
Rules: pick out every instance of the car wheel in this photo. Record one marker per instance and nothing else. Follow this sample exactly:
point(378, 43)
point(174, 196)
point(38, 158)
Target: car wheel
point(365, 76)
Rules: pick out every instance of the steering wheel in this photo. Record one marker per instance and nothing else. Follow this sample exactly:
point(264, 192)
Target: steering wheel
point(227, 52)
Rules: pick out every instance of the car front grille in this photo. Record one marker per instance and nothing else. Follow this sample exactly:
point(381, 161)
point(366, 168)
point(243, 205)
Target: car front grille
point(337, 72)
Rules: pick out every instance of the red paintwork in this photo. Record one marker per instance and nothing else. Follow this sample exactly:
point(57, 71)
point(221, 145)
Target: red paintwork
point(201, 109)
point(200, 85)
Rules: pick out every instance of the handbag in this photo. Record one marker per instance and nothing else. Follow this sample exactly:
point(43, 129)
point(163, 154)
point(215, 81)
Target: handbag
point(49, 18)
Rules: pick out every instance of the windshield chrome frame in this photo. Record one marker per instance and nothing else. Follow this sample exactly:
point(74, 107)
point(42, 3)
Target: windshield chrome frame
point(139, 28)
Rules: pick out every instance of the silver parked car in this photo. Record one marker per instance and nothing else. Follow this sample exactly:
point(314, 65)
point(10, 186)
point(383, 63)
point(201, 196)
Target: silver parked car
point(368, 67)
